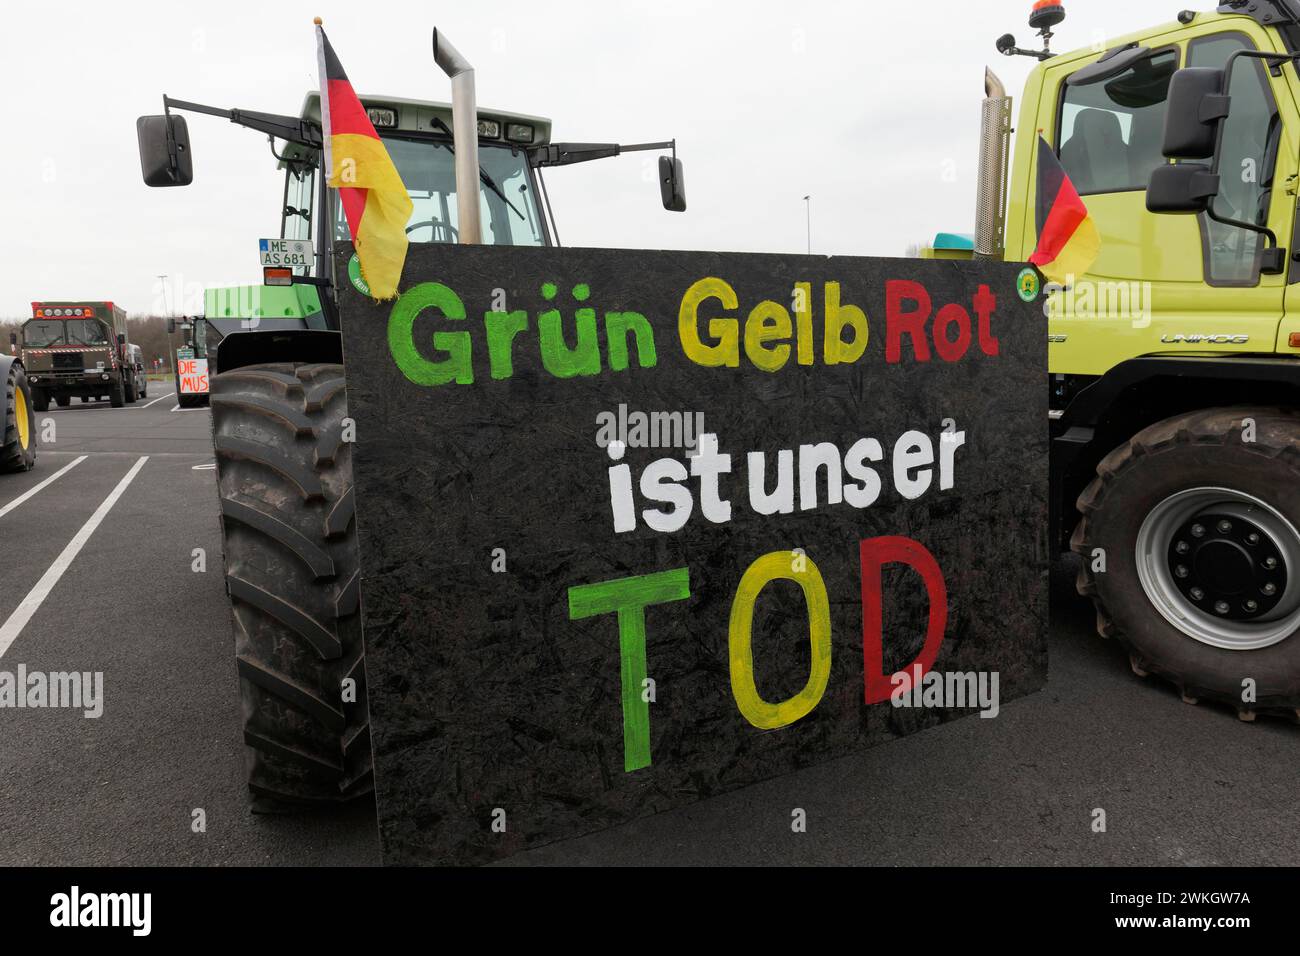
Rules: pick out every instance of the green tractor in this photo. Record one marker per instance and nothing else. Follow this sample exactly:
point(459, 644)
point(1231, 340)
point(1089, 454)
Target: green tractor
point(279, 404)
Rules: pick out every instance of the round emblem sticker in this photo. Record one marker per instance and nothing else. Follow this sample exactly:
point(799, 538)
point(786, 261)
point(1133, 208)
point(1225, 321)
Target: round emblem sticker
point(358, 280)
point(1027, 284)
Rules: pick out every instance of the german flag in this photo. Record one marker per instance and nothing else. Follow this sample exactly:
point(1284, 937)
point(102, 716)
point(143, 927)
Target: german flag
point(1068, 241)
point(374, 198)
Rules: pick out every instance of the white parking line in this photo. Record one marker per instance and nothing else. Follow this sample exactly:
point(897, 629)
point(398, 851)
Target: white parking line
point(11, 628)
point(156, 400)
point(48, 481)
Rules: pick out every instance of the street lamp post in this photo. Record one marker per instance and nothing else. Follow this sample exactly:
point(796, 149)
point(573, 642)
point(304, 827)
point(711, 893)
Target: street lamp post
point(807, 206)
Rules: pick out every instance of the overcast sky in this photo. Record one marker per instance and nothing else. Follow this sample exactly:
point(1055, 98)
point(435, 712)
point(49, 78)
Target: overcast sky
point(870, 107)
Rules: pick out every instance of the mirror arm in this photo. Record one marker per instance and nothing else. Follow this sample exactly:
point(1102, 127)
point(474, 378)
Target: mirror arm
point(567, 154)
point(288, 128)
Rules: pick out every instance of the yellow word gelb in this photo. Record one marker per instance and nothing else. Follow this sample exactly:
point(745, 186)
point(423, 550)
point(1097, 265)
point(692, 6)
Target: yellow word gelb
point(768, 328)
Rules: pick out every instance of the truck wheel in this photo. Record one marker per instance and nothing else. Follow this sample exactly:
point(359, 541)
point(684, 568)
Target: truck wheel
point(40, 400)
point(129, 388)
point(63, 401)
point(18, 427)
point(292, 571)
point(117, 395)
point(1197, 521)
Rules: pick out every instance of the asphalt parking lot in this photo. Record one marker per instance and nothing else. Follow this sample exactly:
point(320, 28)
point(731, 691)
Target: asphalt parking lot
point(97, 573)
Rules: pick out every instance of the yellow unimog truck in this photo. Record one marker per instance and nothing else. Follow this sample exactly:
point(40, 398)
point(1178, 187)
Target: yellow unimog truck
point(1174, 363)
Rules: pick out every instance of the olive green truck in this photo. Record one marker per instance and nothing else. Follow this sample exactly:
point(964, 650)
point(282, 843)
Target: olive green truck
point(78, 349)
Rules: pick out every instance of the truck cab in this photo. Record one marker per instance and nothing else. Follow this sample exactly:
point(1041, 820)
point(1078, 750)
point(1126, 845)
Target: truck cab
point(1174, 361)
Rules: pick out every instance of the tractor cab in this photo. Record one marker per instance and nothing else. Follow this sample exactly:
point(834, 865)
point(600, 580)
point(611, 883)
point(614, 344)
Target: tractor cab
point(417, 135)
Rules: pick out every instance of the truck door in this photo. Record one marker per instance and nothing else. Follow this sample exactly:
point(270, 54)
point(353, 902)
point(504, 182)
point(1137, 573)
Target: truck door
point(1161, 284)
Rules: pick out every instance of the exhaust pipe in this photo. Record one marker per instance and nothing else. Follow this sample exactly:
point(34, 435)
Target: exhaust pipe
point(464, 136)
point(994, 154)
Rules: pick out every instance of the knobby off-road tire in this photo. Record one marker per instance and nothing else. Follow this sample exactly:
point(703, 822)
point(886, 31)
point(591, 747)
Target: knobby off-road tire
point(17, 438)
point(1139, 482)
point(292, 570)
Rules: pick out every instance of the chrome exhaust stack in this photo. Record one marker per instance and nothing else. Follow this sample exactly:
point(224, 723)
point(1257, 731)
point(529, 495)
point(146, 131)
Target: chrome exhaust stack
point(994, 156)
point(464, 136)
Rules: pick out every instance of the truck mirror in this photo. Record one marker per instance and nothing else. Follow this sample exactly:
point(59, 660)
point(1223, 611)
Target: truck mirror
point(121, 339)
point(171, 326)
point(1197, 107)
point(13, 339)
point(164, 150)
point(1181, 187)
point(672, 185)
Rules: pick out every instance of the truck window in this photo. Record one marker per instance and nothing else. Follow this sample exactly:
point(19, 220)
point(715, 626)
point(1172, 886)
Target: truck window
point(42, 334)
point(1246, 163)
point(1111, 131)
point(86, 332)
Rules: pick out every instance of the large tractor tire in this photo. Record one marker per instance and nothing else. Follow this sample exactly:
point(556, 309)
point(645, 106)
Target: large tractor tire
point(292, 570)
point(1197, 521)
point(18, 424)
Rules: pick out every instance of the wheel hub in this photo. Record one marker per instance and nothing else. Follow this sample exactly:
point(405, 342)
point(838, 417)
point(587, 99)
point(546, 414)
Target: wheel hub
point(1228, 565)
point(1222, 566)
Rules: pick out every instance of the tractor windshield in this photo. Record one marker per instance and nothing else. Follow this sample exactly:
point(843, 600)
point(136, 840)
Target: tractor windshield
point(509, 212)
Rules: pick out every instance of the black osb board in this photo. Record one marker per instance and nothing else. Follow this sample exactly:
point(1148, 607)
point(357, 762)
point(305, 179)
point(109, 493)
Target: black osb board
point(490, 705)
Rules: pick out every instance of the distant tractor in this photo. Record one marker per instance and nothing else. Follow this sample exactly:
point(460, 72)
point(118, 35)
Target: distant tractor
point(191, 361)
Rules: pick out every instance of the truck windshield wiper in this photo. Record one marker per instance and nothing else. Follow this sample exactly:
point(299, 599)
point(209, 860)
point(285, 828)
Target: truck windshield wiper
point(484, 178)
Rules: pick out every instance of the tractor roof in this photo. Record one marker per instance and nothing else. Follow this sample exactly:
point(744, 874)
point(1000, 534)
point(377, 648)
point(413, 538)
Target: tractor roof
point(419, 115)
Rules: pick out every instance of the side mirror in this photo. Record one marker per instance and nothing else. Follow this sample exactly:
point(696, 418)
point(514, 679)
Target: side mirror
point(1182, 187)
point(121, 339)
point(1197, 107)
point(171, 326)
point(164, 150)
point(13, 339)
point(672, 185)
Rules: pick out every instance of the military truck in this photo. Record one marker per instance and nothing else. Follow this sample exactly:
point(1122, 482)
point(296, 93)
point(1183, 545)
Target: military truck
point(278, 401)
point(78, 349)
point(1174, 363)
